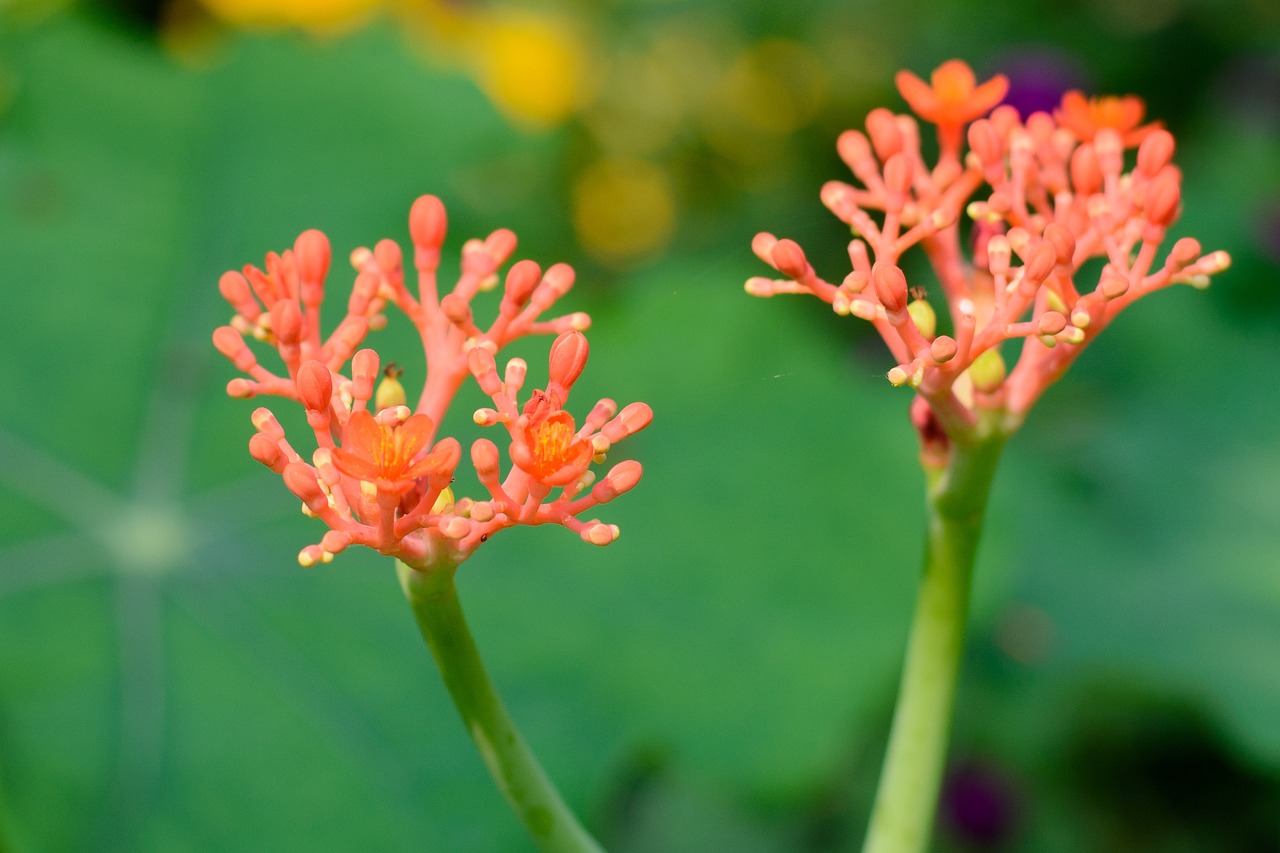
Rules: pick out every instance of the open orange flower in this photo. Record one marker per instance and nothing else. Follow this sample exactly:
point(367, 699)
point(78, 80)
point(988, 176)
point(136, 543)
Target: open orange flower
point(951, 99)
point(545, 444)
point(390, 457)
point(1086, 116)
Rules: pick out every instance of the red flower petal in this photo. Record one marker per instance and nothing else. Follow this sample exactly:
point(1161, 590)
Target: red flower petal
point(354, 465)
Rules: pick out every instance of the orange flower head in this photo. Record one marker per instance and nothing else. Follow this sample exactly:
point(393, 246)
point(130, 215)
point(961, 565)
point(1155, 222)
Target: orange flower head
point(1038, 201)
point(1084, 117)
point(379, 477)
point(389, 456)
point(547, 447)
point(951, 98)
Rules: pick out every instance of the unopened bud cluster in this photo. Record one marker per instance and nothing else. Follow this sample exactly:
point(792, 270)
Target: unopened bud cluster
point(1036, 199)
point(379, 475)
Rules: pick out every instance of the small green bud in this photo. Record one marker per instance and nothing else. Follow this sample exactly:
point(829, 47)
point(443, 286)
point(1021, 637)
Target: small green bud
point(390, 392)
point(444, 501)
point(987, 371)
point(923, 316)
point(1055, 302)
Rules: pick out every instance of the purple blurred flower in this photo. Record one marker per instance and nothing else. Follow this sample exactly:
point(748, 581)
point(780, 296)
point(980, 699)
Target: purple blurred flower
point(979, 805)
point(1038, 76)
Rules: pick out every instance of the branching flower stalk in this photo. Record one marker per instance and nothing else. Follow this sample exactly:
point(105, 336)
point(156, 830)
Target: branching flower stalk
point(380, 474)
point(1039, 235)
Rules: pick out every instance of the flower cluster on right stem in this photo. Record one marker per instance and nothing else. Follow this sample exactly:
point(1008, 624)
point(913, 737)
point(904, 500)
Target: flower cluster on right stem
point(1040, 232)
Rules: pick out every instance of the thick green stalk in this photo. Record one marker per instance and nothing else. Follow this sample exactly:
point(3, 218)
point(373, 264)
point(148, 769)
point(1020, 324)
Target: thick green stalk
point(532, 795)
point(902, 818)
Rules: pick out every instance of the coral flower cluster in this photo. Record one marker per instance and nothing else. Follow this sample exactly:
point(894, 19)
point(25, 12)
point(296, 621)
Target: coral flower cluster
point(380, 474)
point(1039, 234)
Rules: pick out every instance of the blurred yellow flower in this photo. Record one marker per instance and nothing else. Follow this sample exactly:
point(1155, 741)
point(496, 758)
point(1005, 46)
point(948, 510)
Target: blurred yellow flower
point(623, 209)
point(533, 67)
point(319, 14)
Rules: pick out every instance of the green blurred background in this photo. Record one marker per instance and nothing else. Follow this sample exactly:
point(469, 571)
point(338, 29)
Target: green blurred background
point(720, 678)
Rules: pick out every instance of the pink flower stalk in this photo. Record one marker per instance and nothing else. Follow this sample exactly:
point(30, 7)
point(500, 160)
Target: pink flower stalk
point(1044, 196)
point(380, 476)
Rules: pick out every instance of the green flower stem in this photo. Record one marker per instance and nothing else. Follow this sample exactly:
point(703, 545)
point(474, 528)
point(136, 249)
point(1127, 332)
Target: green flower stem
point(6, 843)
point(536, 801)
point(902, 818)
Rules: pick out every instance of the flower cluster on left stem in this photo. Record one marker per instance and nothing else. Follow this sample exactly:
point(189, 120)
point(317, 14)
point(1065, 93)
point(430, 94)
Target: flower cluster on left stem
point(380, 474)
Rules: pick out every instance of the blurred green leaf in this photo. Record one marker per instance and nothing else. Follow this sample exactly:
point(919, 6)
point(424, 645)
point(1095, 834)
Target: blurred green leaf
point(235, 699)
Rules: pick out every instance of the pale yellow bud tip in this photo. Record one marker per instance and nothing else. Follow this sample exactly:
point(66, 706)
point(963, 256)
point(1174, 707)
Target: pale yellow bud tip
point(600, 534)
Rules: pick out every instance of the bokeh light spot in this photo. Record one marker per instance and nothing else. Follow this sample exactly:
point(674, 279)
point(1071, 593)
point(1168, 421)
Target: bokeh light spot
point(623, 209)
point(147, 539)
point(771, 90)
